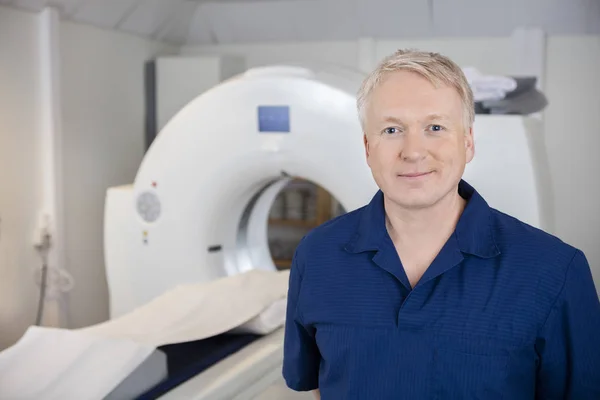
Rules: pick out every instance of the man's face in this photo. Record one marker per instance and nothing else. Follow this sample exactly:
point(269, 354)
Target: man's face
point(416, 142)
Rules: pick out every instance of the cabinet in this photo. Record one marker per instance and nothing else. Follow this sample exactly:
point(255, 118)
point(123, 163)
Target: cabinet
point(299, 207)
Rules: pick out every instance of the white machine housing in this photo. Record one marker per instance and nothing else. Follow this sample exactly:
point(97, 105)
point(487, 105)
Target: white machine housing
point(199, 205)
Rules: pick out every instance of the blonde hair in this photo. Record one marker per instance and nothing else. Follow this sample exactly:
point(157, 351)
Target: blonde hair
point(438, 69)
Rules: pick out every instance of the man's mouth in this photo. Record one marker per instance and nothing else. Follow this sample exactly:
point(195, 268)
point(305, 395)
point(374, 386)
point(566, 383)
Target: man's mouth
point(414, 174)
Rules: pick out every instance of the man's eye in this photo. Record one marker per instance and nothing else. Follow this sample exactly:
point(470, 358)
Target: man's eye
point(436, 128)
point(391, 131)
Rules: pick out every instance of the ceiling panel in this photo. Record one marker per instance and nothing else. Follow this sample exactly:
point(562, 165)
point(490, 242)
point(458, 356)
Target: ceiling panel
point(261, 21)
point(150, 16)
point(312, 20)
point(334, 19)
point(394, 18)
point(571, 15)
point(27, 4)
point(201, 29)
point(67, 7)
point(488, 18)
point(105, 13)
point(249, 21)
point(456, 17)
point(175, 28)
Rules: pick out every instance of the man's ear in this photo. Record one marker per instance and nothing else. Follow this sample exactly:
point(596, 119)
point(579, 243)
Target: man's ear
point(469, 145)
point(366, 143)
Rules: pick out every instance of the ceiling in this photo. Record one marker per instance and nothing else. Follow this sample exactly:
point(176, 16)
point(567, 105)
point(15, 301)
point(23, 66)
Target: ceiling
point(197, 22)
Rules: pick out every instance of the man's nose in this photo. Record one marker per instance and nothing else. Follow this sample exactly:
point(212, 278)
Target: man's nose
point(413, 146)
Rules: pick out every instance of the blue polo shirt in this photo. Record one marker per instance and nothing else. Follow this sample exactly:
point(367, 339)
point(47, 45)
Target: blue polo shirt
point(505, 311)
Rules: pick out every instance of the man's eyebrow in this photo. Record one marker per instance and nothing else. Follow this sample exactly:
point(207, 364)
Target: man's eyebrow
point(395, 120)
point(436, 117)
point(430, 117)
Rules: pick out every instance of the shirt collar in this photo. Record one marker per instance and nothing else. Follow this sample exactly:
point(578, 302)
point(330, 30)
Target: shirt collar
point(474, 232)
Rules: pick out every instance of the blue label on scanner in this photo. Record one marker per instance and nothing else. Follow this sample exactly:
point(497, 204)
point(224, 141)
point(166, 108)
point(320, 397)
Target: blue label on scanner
point(273, 118)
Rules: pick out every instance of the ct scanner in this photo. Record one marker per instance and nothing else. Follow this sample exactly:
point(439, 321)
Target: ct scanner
point(198, 207)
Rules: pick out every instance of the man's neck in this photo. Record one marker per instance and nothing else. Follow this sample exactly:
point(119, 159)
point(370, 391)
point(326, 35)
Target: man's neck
point(424, 226)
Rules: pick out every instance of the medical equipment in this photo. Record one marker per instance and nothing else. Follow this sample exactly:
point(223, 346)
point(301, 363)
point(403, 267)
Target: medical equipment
point(198, 207)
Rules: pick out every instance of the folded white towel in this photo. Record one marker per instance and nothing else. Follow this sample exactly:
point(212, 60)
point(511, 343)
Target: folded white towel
point(488, 87)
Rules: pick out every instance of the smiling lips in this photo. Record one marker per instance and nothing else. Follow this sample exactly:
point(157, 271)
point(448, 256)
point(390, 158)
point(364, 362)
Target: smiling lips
point(414, 175)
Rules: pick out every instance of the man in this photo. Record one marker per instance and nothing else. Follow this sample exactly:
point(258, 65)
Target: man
point(427, 292)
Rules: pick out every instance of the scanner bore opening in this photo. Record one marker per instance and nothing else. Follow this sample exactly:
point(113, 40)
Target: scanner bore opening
point(282, 211)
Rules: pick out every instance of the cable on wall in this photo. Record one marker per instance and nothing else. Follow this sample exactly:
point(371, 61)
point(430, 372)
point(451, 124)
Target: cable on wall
point(52, 280)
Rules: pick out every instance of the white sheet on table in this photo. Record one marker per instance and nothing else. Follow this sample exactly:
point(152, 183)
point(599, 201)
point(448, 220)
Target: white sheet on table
point(88, 363)
point(198, 311)
point(269, 320)
point(50, 363)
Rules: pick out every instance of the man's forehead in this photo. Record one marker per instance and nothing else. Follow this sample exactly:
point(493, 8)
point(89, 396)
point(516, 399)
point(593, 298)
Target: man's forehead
point(429, 105)
point(415, 95)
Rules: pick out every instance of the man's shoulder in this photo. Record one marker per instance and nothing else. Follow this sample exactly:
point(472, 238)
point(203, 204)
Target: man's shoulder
point(536, 263)
point(531, 245)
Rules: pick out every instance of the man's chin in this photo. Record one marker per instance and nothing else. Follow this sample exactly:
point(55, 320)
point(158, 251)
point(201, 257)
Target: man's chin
point(414, 201)
point(416, 204)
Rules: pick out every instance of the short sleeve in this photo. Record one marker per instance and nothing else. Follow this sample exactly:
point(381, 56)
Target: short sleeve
point(301, 357)
point(569, 342)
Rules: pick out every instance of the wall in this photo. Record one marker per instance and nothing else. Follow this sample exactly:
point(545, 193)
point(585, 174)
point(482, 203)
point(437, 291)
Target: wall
point(338, 53)
point(102, 96)
point(571, 121)
point(180, 79)
point(19, 172)
point(103, 133)
point(493, 55)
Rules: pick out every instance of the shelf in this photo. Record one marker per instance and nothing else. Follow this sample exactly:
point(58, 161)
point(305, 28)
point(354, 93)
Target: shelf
point(293, 222)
